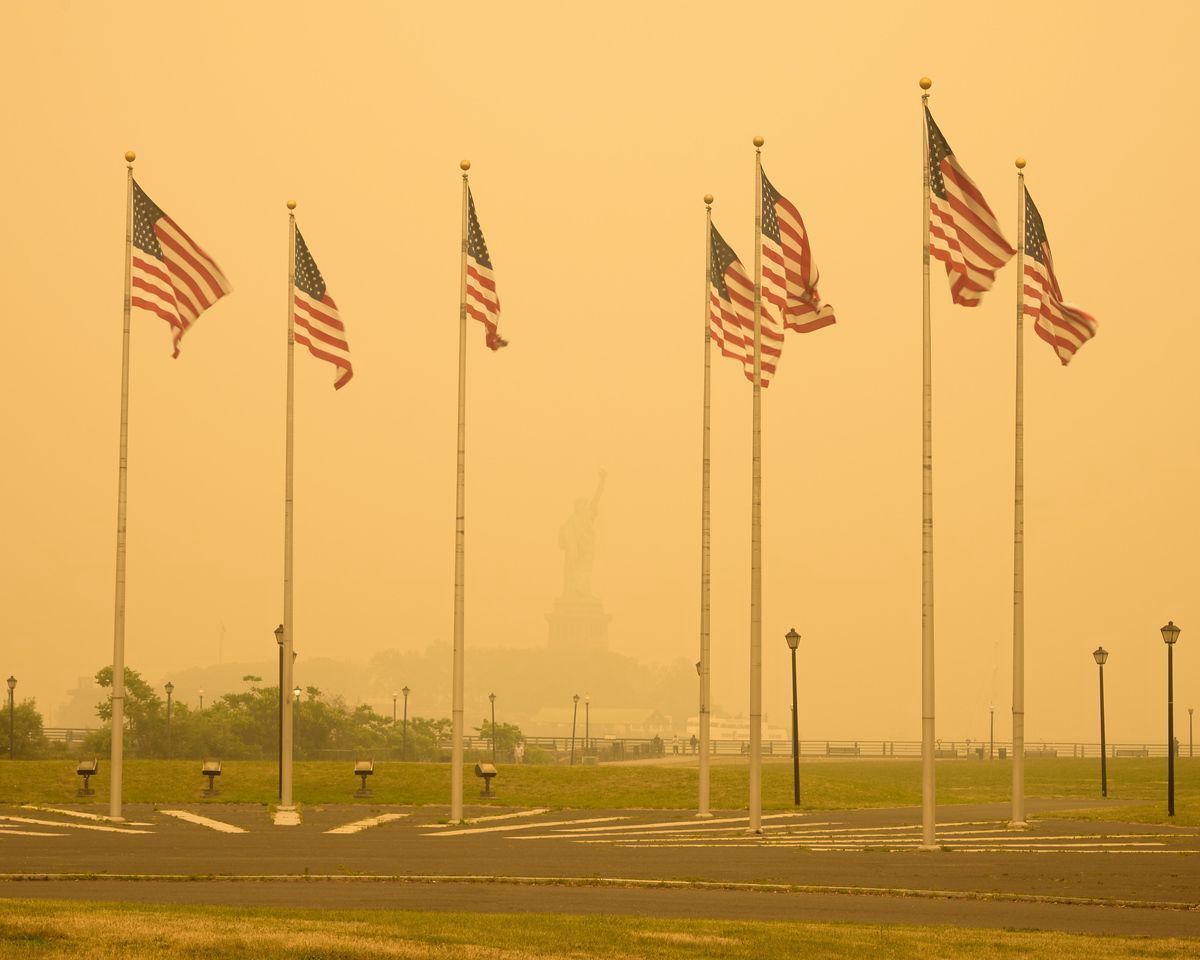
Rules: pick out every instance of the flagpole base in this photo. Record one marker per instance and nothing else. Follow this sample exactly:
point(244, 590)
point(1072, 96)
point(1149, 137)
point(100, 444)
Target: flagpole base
point(930, 847)
point(1018, 825)
point(704, 816)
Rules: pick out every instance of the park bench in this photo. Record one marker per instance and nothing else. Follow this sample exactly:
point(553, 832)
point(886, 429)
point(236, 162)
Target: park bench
point(1133, 752)
point(946, 753)
point(832, 750)
point(1042, 754)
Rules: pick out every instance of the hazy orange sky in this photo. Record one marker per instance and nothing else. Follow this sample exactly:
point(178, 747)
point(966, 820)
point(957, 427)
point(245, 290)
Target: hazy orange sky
point(593, 137)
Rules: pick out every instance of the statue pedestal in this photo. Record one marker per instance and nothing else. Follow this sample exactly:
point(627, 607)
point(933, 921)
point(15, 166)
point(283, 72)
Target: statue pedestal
point(578, 624)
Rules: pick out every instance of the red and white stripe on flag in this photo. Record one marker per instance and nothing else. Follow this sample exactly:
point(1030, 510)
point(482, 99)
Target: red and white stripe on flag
point(789, 275)
point(731, 319)
point(1064, 326)
point(319, 327)
point(170, 275)
point(963, 232)
point(483, 304)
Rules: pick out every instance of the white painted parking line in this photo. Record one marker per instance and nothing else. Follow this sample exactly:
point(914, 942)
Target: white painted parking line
point(200, 821)
point(610, 834)
point(28, 833)
point(84, 816)
point(366, 824)
point(70, 826)
point(498, 816)
point(519, 826)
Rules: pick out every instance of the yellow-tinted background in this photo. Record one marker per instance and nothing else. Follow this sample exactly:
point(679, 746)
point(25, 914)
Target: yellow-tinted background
point(593, 137)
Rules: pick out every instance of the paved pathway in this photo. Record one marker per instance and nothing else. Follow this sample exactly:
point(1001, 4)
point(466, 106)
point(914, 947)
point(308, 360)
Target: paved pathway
point(851, 865)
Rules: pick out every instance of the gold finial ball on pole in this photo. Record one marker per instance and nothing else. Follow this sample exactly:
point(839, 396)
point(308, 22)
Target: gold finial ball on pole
point(759, 141)
point(708, 199)
point(464, 165)
point(926, 83)
point(130, 156)
point(1020, 163)
point(291, 204)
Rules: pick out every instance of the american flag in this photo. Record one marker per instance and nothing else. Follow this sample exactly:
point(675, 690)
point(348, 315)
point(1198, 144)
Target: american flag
point(170, 276)
point(318, 324)
point(963, 231)
point(731, 312)
point(1065, 327)
point(482, 302)
point(789, 276)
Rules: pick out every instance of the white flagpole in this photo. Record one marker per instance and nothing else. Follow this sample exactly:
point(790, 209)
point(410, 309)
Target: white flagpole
point(756, 517)
point(288, 582)
point(456, 751)
point(1018, 730)
point(928, 783)
point(117, 755)
point(705, 528)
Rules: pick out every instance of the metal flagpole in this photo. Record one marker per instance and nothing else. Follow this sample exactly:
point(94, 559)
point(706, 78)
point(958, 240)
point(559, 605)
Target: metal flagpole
point(117, 754)
point(1018, 731)
point(288, 622)
point(705, 528)
point(756, 517)
point(456, 751)
point(928, 783)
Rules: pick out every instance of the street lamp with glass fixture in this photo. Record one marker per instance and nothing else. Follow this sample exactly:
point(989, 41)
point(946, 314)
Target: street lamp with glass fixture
point(12, 685)
point(793, 641)
point(1170, 633)
point(1101, 655)
point(574, 717)
point(991, 731)
point(395, 697)
point(296, 691)
point(279, 640)
point(492, 697)
point(404, 737)
point(170, 688)
point(587, 722)
point(201, 699)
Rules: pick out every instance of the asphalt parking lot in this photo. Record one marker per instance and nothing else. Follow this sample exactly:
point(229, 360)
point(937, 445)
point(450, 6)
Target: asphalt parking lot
point(861, 865)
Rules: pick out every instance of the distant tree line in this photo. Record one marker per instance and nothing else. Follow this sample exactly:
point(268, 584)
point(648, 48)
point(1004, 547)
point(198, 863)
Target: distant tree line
point(245, 726)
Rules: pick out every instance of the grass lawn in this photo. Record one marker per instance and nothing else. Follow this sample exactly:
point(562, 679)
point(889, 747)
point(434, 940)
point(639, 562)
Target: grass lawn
point(47, 930)
point(1137, 785)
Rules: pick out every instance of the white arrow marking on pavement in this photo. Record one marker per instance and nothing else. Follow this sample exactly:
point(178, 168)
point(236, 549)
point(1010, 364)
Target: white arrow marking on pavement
point(69, 826)
point(202, 821)
point(498, 816)
point(519, 826)
point(83, 816)
point(358, 825)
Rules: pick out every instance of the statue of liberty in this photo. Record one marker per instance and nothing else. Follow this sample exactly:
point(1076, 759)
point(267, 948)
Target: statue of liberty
point(577, 538)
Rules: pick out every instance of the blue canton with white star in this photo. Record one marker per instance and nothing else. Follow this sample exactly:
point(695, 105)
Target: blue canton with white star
point(1035, 231)
point(722, 257)
point(308, 277)
point(145, 214)
point(770, 223)
point(476, 246)
point(938, 150)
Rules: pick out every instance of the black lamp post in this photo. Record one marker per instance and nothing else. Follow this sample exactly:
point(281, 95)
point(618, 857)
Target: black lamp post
point(395, 697)
point(793, 641)
point(201, 699)
point(574, 717)
point(1101, 655)
point(170, 688)
point(587, 722)
point(1190, 753)
point(492, 697)
point(404, 691)
point(12, 685)
point(279, 640)
point(991, 731)
point(1170, 633)
point(296, 691)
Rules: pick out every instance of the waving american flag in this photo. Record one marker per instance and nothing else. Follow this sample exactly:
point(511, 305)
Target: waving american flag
point(789, 276)
point(1065, 327)
point(318, 324)
point(731, 313)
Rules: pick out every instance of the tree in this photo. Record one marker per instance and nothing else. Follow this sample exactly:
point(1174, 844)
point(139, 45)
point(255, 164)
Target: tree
point(145, 712)
point(28, 739)
point(508, 735)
